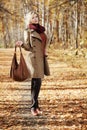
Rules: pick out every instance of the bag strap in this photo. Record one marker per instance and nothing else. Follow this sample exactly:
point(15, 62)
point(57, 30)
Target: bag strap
point(16, 48)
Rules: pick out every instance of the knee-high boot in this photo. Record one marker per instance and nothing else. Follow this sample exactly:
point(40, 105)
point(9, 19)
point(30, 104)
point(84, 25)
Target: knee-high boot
point(35, 89)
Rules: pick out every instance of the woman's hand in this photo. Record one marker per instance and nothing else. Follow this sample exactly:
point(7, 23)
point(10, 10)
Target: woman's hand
point(19, 43)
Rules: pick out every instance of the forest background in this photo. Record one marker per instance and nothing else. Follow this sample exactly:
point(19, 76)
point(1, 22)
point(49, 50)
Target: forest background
point(63, 96)
point(65, 21)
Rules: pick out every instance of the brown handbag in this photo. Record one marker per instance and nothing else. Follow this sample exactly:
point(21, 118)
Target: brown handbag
point(19, 71)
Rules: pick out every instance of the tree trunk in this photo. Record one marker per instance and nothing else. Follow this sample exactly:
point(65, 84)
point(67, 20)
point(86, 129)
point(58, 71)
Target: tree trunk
point(43, 12)
point(77, 29)
point(6, 33)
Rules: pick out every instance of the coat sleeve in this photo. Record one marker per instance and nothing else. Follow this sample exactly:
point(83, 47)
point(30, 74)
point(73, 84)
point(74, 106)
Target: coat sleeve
point(26, 45)
point(46, 46)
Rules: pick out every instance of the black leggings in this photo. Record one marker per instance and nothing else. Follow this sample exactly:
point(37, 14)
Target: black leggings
point(35, 89)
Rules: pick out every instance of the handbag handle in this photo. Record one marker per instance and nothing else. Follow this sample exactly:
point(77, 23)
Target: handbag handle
point(16, 48)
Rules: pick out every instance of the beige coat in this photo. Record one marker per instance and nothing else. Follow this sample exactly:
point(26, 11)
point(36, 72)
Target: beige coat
point(35, 57)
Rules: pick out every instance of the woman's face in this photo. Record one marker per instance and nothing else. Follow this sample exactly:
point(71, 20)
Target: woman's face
point(34, 19)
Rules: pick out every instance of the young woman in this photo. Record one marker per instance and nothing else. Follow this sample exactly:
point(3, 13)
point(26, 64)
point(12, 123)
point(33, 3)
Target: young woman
point(35, 42)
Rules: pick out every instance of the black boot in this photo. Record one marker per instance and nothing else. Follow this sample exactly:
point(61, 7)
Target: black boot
point(35, 89)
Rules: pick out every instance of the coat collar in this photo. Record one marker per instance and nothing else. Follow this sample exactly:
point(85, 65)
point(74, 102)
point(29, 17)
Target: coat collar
point(35, 34)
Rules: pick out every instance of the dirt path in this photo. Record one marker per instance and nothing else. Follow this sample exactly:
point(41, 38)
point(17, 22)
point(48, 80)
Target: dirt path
point(63, 98)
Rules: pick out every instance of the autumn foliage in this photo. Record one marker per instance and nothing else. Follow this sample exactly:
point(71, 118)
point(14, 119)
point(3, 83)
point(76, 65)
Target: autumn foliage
point(65, 21)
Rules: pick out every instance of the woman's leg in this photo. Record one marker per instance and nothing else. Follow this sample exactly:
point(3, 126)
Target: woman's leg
point(35, 89)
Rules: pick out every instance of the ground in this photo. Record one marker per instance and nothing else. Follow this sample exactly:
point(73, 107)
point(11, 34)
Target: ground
point(63, 95)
